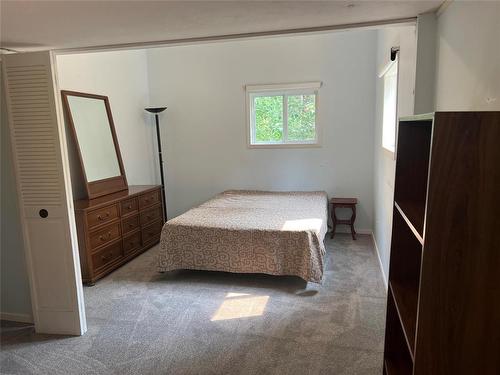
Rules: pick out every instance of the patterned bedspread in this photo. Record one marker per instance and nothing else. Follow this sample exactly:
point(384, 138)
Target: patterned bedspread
point(277, 233)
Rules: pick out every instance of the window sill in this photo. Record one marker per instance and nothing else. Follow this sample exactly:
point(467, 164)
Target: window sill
point(285, 145)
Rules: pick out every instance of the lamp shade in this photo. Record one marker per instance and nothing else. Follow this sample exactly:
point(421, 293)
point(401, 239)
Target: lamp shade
point(155, 110)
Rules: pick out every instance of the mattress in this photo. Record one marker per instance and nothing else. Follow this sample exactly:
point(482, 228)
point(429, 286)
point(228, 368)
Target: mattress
point(241, 231)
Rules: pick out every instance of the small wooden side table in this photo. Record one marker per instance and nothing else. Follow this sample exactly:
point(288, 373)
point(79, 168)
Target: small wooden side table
point(343, 203)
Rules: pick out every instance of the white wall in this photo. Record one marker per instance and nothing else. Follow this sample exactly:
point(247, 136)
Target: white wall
point(205, 125)
point(468, 57)
point(123, 77)
point(15, 293)
point(425, 73)
point(383, 163)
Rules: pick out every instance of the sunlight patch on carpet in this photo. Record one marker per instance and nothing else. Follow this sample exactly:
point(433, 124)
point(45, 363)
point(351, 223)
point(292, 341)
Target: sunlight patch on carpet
point(240, 305)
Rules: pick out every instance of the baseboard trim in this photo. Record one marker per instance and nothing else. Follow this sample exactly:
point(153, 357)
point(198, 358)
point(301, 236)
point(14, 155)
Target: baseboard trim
point(384, 276)
point(346, 229)
point(14, 317)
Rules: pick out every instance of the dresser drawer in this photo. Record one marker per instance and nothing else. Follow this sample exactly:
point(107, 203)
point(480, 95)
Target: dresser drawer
point(151, 233)
point(102, 215)
point(107, 255)
point(149, 199)
point(105, 235)
point(131, 243)
point(117, 227)
point(151, 215)
point(129, 206)
point(130, 223)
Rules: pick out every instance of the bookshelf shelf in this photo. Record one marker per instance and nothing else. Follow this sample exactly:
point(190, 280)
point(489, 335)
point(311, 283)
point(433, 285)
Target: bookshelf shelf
point(409, 223)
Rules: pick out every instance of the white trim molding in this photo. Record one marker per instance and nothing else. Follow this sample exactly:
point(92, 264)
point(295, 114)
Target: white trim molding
point(284, 86)
point(371, 25)
point(347, 230)
point(384, 276)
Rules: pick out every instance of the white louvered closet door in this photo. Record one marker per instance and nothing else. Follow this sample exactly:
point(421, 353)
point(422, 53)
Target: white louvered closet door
point(44, 190)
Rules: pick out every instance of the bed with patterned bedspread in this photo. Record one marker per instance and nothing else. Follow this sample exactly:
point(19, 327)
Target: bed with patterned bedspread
point(241, 231)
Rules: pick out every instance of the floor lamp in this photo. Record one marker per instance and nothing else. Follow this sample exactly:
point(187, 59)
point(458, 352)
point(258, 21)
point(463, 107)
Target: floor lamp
point(156, 112)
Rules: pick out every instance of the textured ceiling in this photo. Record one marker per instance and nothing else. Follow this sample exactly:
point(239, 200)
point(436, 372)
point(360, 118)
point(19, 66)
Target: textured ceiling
point(32, 25)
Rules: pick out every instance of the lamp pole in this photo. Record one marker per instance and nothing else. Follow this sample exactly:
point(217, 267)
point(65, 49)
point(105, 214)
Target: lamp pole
point(156, 112)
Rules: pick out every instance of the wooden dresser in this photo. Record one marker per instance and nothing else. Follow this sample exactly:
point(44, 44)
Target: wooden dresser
point(116, 228)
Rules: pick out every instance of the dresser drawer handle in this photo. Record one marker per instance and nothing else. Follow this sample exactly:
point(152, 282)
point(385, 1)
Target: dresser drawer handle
point(106, 215)
point(130, 225)
point(129, 207)
point(105, 238)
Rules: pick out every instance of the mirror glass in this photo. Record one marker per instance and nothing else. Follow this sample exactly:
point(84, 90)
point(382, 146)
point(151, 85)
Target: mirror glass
point(95, 139)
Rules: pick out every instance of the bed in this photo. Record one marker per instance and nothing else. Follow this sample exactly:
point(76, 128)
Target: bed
point(241, 231)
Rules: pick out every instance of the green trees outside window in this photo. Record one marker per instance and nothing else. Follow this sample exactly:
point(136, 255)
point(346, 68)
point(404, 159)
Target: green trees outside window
point(268, 118)
point(301, 117)
point(275, 125)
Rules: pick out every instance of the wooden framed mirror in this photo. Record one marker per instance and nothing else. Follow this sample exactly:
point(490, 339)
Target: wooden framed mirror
point(91, 121)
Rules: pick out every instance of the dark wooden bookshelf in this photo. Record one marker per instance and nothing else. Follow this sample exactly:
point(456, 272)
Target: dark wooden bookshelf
point(412, 169)
point(443, 303)
point(396, 367)
point(404, 276)
point(397, 358)
point(405, 298)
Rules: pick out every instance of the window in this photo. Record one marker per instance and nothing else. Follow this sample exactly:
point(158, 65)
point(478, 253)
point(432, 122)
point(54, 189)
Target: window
point(390, 75)
point(283, 115)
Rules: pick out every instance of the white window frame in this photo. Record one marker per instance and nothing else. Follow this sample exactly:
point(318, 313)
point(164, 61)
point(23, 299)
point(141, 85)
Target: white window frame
point(390, 150)
point(254, 91)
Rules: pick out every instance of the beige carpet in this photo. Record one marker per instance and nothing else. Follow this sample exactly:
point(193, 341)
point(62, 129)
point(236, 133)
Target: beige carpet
point(192, 322)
